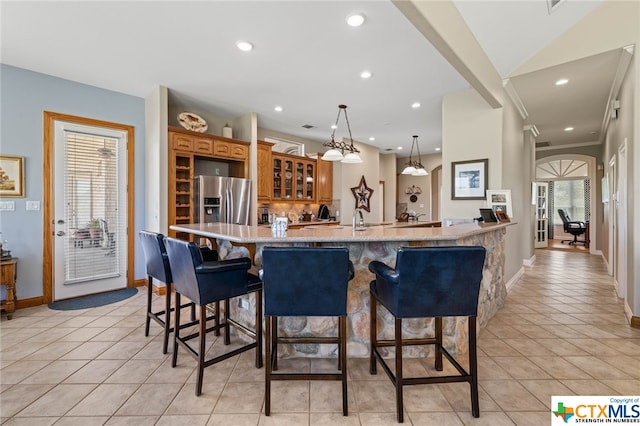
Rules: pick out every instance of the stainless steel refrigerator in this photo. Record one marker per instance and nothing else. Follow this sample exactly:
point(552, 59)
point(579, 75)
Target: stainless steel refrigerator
point(222, 199)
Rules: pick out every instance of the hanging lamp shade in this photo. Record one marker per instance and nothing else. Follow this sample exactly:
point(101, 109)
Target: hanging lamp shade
point(337, 150)
point(420, 172)
point(415, 167)
point(409, 170)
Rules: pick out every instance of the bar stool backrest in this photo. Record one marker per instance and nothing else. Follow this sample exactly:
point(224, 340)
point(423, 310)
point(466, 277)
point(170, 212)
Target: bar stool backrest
point(438, 281)
point(155, 254)
point(305, 281)
point(205, 283)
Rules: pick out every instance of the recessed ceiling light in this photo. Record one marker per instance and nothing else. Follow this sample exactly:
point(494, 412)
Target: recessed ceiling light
point(568, 129)
point(355, 20)
point(366, 74)
point(333, 126)
point(415, 105)
point(278, 108)
point(562, 82)
point(437, 149)
point(372, 138)
point(399, 148)
point(245, 46)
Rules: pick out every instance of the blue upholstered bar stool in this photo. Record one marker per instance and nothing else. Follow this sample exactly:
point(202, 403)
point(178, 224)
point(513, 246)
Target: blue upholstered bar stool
point(210, 282)
point(428, 282)
point(305, 281)
point(157, 264)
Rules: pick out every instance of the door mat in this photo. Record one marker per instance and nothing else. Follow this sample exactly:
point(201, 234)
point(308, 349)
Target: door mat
point(93, 300)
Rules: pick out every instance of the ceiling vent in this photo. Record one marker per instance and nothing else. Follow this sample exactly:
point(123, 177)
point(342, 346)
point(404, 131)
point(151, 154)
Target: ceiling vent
point(541, 144)
point(308, 126)
point(552, 5)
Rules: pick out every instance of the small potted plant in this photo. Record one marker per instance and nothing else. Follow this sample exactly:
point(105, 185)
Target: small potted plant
point(94, 228)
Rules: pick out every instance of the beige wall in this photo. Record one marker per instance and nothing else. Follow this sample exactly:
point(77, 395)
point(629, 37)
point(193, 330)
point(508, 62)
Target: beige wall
point(156, 161)
point(350, 175)
point(423, 205)
point(388, 172)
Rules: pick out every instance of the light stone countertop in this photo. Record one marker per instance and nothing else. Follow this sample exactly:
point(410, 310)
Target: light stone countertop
point(337, 233)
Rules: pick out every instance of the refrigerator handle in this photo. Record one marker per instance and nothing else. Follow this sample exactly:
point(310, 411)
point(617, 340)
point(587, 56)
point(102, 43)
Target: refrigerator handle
point(230, 206)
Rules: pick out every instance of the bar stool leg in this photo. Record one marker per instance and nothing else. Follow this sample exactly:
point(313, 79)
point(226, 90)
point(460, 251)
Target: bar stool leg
point(216, 321)
point(227, 328)
point(438, 352)
point(203, 341)
point(473, 367)
point(167, 317)
point(342, 326)
point(373, 334)
point(274, 343)
point(176, 333)
point(399, 396)
point(149, 294)
point(268, 366)
point(259, 363)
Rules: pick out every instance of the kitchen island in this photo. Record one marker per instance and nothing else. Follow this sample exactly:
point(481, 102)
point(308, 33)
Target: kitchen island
point(380, 242)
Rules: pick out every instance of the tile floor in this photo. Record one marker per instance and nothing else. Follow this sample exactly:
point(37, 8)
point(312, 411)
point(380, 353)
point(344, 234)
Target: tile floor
point(562, 331)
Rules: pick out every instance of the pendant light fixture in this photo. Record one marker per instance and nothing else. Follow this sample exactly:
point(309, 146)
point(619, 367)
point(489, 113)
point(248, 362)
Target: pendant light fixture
point(337, 150)
point(415, 168)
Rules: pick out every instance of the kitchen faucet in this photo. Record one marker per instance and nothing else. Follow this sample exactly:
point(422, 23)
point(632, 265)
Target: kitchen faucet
point(360, 221)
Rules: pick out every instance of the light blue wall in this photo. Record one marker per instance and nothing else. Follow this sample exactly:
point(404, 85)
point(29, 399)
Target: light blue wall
point(25, 95)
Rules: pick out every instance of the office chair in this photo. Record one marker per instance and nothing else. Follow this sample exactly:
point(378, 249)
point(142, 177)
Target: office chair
point(572, 227)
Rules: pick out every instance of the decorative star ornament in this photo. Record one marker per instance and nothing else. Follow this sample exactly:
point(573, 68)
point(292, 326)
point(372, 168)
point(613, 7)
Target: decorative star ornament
point(362, 193)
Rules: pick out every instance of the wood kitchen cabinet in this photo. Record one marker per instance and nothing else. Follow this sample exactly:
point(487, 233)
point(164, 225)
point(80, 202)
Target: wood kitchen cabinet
point(185, 147)
point(265, 171)
point(324, 181)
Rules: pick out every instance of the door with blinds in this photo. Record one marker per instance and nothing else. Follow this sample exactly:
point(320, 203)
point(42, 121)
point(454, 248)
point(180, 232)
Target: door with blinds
point(542, 218)
point(90, 210)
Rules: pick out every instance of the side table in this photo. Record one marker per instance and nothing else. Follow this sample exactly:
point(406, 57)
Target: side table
point(8, 282)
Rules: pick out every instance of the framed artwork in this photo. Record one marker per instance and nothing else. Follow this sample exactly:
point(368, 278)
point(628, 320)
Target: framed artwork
point(502, 216)
point(500, 200)
point(11, 176)
point(362, 193)
point(469, 179)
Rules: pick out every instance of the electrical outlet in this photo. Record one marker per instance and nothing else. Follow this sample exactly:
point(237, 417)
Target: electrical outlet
point(337, 213)
point(243, 304)
point(217, 172)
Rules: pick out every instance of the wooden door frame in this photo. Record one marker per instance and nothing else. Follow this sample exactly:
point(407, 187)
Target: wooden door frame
point(48, 205)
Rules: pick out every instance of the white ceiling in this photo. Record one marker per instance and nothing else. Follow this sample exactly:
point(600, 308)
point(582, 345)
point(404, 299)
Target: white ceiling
point(305, 59)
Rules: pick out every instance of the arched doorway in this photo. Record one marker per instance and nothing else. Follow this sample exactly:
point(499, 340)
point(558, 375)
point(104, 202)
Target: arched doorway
point(569, 167)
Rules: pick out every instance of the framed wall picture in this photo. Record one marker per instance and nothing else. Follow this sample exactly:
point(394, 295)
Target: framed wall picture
point(11, 176)
point(469, 179)
point(502, 216)
point(500, 200)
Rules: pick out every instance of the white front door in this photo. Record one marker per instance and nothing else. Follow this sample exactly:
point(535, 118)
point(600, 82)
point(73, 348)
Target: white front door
point(542, 216)
point(90, 210)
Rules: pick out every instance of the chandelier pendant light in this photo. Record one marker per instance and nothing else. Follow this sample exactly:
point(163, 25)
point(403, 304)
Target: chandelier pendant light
point(415, 167)
point(337, 150)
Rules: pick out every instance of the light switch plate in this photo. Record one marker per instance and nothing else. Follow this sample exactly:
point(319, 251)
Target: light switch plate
point(7, 206)
point(33, 205)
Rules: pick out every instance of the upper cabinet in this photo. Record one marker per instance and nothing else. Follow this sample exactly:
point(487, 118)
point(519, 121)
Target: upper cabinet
point(325, 181)
point(265, 168)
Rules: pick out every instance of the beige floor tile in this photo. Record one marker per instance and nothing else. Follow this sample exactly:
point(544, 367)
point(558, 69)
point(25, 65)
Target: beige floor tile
point(84, 421)
point(459, 397)
point(511, 395)
point(559, 368)
point(19, 351)
point(358, 369)
point(149, 400)
point(326, 396)
point(379, 419)
point(424, 398)
point(333, 419)
point(132, 421)
point(588, 387)
point(104, 400)
point(488, 419)
point(250, 419)
point(53, 351)
point(545, 389)
point(597, 368)
point(528, 347)
point(88, 350)
point(82, 334)
point(57, 401)
point(95, 371)
point(497, 347)
point(560, 346)
point(17, 397)
point(624, 387)
point(183, 420)
point(290, 396)
point(55, 372)
point(122, 350)
point(288, 419)
point(531, 418)
point(31, 421)
point(134, 371)
point(113, 334)
point(434, 419)
point(374, 396)
point(240, 398)
point(178, 374)
point(20, 370)
point(521, 368)
point(187, 403)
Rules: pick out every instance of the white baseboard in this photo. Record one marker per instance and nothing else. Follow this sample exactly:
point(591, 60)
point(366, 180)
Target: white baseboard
point(514, 279)
point(530, 261)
